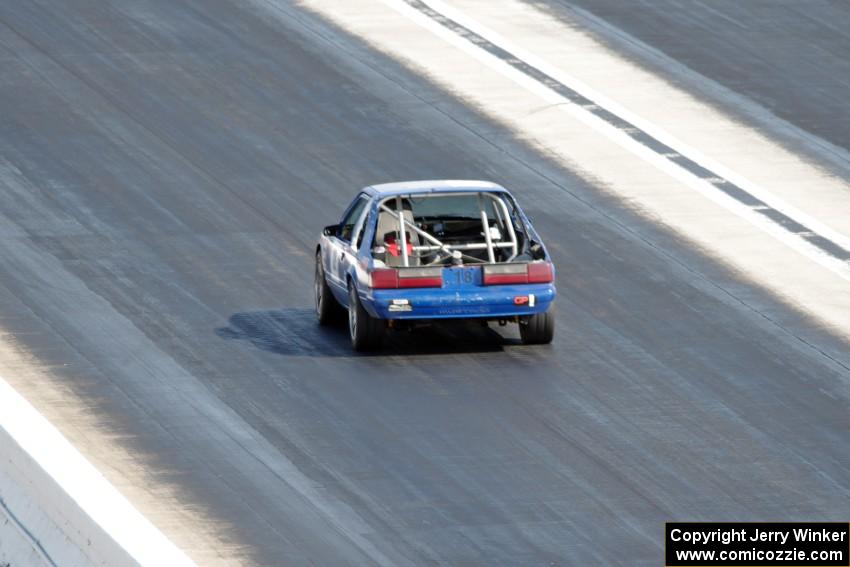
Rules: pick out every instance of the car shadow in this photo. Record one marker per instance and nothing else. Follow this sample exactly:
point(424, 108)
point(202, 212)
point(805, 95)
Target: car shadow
point(295, 332)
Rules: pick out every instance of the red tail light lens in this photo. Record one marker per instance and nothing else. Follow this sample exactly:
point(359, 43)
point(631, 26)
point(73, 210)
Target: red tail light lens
point(540, 272)
point(389, 278)
point(504, 274)
point(420, 277)
point(384, 279)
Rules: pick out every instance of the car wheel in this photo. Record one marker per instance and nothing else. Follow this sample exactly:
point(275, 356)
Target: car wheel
point(327, 309)
point(367, 332)
point(538, 329)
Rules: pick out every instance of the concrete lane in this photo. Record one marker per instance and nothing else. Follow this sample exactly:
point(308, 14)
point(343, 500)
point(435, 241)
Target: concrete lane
point(165, 167)
point(789, 57)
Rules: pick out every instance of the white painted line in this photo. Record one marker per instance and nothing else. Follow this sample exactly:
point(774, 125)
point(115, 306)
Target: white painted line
point(85, 484)
point(619, 136)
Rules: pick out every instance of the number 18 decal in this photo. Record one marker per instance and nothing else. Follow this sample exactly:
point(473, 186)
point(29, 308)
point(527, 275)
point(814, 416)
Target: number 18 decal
point(463, 276)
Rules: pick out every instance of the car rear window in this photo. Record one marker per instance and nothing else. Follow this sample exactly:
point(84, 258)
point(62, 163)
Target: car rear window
point(465, 205)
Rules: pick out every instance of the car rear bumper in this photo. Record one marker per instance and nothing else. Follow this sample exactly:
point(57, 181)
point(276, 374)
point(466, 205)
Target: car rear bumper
point(489, 302)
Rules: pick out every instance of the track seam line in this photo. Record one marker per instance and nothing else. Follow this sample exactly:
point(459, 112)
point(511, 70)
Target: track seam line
point(22, 529)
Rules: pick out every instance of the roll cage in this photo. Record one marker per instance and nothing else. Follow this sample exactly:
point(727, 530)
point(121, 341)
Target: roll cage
point(408, 239)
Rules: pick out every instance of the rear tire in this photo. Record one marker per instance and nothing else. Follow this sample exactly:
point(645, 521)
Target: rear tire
point(367, 332)
point(538, 329)
point(328, 310)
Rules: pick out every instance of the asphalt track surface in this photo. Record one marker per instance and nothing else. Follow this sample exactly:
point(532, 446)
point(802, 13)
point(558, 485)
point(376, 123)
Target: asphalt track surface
point(165, 167)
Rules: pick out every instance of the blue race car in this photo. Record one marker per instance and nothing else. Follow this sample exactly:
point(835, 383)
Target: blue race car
point(423, 250)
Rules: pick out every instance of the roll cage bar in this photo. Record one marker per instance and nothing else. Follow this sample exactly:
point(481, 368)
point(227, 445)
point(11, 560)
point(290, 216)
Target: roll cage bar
point(455, 251)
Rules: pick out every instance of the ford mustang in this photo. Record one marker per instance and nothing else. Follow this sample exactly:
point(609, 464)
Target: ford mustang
point(409, 252)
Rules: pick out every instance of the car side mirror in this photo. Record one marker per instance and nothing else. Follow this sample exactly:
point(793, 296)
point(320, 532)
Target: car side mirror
point(331, 230)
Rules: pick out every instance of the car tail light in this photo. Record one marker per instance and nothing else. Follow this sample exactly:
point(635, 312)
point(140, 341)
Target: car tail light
point(420, 277)
point(390, 278)
point(384, 279)
point(540, 272)
point(503, 274)
point(500, 274)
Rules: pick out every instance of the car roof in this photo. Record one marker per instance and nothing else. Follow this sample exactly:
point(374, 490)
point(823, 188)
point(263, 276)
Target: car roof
point(432, 186)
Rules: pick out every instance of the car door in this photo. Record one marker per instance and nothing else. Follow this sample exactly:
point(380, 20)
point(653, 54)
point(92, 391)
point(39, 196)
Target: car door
point(341, 252)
